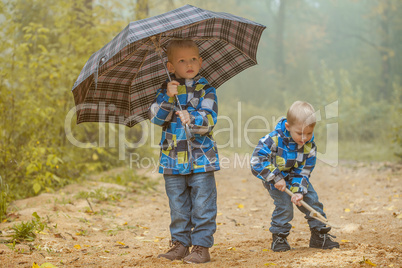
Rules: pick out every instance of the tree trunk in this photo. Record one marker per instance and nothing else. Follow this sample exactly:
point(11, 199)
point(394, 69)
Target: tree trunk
point(84, 12)
point(142, 10)
point(280, 29)
point(385, 57)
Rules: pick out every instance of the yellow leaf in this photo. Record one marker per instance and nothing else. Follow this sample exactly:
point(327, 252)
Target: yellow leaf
point(219, 213)
point(34, 265)
point(156, 240)
point(77, 246)
point(47, 265)
point(369, 262)
point(121, 243)
point(264, 249)
point(95, 157)
point(399, 216)
point(347, 209)
point(269, 264)
point(125, 223)
point(218, 223)
point(232, 248)
point(240, 206)
point(345, 241)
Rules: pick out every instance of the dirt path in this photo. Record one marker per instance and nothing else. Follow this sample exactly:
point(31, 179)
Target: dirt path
point(363, 199)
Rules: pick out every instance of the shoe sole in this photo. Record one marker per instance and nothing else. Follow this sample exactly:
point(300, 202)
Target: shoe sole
point(282, 250)
point(325, 248)
point(189, 262)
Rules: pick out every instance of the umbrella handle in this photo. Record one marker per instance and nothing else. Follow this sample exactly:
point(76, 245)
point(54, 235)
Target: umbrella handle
point(189, 135)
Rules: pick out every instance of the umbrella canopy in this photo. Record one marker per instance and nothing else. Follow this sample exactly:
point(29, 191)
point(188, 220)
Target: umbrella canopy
point(119, 82)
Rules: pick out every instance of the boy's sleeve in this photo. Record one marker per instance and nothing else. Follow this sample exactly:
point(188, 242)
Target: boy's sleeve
point(300, 180)
point(162, 109)
point(204, 119)
point(261, 162)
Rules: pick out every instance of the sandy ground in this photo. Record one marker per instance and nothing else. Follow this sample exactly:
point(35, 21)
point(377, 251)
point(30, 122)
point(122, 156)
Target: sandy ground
point(363, 199)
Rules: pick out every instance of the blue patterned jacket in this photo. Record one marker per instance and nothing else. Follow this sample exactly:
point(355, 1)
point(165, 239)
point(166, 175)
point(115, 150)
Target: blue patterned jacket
point(278, 157)
point(201, 102)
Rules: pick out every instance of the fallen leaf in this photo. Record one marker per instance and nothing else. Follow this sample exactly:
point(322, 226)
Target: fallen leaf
point(59, 236)
point(347, 209)
point(121, 243)
point(270, 263)
point(345, 241)
point(240, 206)
point(219, 213)
point(47, 265)
point(77, 246)
point(34, 265)
point(232, 248)
point(367, 261)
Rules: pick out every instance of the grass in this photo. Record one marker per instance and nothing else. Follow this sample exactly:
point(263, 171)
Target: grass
point(100, 194)
point(130, 179)
point(26, 231)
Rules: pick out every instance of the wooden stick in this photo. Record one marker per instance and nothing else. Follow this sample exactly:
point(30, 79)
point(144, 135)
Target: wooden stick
point(313, 212)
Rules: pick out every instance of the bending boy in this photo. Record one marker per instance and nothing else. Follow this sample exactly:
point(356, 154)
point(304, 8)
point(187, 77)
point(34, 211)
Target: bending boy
point(285, 158)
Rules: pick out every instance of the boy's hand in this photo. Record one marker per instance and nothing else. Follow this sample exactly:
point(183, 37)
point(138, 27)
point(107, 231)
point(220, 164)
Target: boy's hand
point(172, 88)
point(280, 185)
point(184, 117)
point(296, 198)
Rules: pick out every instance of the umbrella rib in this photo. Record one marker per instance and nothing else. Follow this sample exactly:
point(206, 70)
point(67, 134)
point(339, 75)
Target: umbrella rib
point(117, 64)
point(218, 39)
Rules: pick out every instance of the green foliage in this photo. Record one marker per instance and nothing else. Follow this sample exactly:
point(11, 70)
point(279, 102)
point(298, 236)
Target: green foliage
point(4, 192)
point(46, 44)
point(396, 120)
point(26, 231)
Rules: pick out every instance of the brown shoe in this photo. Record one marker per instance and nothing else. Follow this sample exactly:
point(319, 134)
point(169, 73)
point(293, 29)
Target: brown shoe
point(198, 255)
point(176, 252)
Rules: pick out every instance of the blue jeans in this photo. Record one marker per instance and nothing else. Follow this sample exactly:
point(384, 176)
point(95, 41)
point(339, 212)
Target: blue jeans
point(192, 201)
point(283, 212)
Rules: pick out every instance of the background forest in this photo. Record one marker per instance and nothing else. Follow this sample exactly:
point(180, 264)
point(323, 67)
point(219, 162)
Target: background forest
point(343, 56)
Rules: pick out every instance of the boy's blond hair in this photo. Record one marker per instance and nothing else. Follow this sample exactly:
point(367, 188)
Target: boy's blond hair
point(182, 43)
point(301, 112)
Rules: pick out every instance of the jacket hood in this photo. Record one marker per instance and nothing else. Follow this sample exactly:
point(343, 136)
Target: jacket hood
point(285, 134)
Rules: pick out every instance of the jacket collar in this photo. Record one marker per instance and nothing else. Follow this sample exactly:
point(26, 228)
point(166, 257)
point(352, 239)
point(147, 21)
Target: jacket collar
point(182, 81)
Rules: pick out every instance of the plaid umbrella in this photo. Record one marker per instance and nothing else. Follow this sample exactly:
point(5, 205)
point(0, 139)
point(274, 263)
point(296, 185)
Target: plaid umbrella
point(119, 82)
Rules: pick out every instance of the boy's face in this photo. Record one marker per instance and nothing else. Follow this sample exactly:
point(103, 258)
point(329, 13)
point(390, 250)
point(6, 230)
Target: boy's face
point(300, 133)
point(185, 62)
